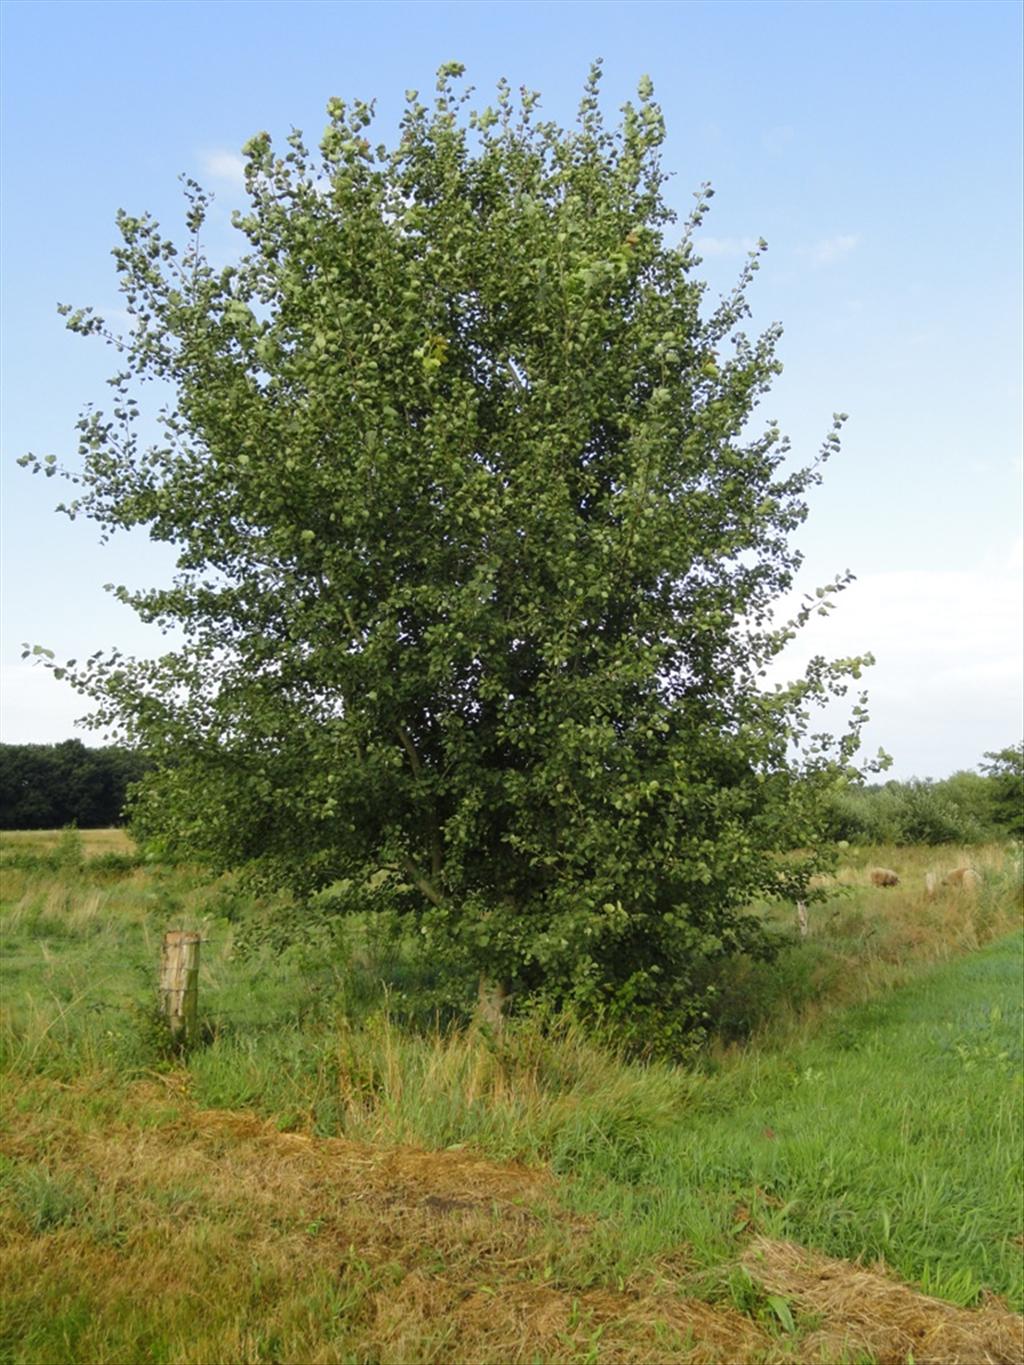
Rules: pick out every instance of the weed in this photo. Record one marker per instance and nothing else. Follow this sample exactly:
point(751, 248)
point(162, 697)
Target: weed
point(69, 854)
point(44, 1200)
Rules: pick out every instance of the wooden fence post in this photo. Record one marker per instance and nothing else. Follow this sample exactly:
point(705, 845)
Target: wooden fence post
point(179, 984)
point(801, 918)
point(492, 1001)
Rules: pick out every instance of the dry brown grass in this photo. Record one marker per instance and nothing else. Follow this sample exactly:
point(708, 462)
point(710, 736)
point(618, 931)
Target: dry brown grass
point(925, 919)
point(226, 1240)
point(866, 1310)
point(94, 841)
point(435, 1255)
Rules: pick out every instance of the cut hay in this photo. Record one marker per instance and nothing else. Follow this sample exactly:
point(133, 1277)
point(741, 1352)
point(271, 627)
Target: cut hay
point(458, 1175)
point(867, 1311)
point(483, 1217)
point(519, 1321)
point(436, 1256)
point(227, 1227)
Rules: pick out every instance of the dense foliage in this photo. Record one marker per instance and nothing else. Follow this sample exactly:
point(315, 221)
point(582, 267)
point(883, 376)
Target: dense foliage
point(1005, 770)
point(478, 548)
point(47, 786)
point(966, 808)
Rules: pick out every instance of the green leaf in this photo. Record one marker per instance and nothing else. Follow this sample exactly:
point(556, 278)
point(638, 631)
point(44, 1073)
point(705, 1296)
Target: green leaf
point(780, 1307)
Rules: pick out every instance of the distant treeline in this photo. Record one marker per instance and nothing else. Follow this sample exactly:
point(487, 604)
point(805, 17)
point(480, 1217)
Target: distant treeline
point(967, 808)
point(48, 786)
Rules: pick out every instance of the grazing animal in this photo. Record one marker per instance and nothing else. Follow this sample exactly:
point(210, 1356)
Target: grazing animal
point(963, 878)
point(960, 879)
point(883, 876)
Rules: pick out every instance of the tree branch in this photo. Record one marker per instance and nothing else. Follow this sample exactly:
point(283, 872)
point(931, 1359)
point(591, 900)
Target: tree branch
point(422, 883)
point(436, 852)
point(409, 747)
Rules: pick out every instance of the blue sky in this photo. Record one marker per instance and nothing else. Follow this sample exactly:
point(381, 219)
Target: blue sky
point(876, 146)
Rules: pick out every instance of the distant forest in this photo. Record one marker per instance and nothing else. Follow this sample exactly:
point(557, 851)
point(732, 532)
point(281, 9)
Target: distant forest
point(48, 786)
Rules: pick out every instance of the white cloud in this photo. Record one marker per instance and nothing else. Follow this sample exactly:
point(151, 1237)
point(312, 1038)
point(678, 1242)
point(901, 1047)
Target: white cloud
point(925, 625)
point(228, 167)
point(725, 246)
point(947, 683)
point(831, 249)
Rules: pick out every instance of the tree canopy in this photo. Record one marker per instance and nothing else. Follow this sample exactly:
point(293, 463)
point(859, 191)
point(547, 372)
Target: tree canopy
point(478, 549)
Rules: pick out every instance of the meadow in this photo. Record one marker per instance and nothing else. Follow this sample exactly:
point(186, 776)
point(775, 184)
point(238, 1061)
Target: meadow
point(337, 1173)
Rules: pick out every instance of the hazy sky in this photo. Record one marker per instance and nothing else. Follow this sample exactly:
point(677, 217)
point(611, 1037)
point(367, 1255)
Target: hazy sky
point(876, 146)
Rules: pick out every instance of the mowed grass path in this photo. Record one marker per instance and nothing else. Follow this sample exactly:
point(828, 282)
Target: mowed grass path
point(895, 1134)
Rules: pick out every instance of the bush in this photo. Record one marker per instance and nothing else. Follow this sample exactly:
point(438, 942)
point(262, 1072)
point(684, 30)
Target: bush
point(1006, 777)
point(916, 812)
point(931, 815)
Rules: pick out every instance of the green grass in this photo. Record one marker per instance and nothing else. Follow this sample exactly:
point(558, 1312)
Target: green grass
point(862, 1099)
point(895, 1134)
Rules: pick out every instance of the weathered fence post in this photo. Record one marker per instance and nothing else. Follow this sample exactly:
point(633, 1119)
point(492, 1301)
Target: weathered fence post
point(179, 984)
point(492, 1001)
point(801, 918)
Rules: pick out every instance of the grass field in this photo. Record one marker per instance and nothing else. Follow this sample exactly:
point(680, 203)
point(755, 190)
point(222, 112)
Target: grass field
point(329, 1177)
point(93, 841)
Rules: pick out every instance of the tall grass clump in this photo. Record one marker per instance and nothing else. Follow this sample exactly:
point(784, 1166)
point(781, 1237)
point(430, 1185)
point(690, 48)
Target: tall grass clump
point(536, 1092)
